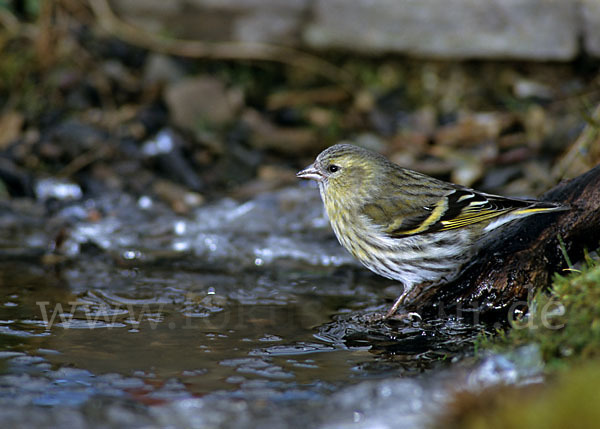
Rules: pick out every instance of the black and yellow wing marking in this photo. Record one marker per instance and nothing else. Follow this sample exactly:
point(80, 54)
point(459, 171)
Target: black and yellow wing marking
point(460, 208)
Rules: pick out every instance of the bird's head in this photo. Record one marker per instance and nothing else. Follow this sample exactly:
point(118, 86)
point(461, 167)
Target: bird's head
point(346, 172)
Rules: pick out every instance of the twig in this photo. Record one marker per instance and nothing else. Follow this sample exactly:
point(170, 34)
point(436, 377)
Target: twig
point(578, 158)
point(221, 50)
point(563, 249)
point(15, 28)
point(526, 253)
point(9, 21)
point(83, 160)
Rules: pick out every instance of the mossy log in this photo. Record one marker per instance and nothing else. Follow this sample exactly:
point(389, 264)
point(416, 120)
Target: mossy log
point(524, 256)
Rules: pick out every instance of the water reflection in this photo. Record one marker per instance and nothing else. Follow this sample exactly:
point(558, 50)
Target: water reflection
point(259, 304)
point(222, 337)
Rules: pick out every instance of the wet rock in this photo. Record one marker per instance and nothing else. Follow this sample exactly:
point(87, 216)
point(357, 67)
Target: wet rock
point(180, 199)
point(81, 96)
point(71, 138)
point(166, 151)
point(525, 364)
point(58, 189)
point(164, 142)
point(152, 117)
point(17, 181)
point(222, 233)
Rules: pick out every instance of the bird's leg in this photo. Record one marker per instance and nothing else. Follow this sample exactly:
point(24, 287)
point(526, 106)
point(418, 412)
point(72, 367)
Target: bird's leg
point(411, 291)
point(391, 313)
point(396, 304)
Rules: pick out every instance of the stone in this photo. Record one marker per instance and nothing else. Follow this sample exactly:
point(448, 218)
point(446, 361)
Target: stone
point(11, 124)
point(286, 140)
point(197, 101)
point(456, 29)
point(265, 21)
point(590, 12)
point(161, 69)
point(525, 29)
point(151, 15)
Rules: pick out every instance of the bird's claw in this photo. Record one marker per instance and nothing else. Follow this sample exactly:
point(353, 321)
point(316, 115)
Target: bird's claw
point(410, 316)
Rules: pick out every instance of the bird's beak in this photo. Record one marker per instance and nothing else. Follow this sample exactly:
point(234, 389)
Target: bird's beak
point(311, 173)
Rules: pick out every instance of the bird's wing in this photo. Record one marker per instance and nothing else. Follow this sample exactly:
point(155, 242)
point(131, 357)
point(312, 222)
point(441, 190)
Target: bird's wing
point(460, 207)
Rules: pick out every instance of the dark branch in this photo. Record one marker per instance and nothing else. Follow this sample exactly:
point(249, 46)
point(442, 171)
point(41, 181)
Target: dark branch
point(525, 255)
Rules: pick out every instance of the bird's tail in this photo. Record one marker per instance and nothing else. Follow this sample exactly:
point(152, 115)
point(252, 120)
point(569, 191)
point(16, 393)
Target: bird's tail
point(535, 207)
point(540, 207)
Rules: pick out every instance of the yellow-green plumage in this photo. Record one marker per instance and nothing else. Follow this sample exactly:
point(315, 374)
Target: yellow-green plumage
point(405, 225)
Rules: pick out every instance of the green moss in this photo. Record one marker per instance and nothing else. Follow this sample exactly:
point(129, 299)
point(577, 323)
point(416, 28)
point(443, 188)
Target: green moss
point(571, 400)
point(33, 7)
point(20, 83)
point(30, 7)
point(564, 321)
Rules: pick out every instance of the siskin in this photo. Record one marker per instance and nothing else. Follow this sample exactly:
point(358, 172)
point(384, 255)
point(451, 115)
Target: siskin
point(404, 225)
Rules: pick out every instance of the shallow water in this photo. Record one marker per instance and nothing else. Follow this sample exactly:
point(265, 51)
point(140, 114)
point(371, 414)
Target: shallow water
point(238, 314)
point(213, 330)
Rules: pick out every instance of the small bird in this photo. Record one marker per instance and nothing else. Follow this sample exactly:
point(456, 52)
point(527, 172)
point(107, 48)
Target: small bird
point(405, 225)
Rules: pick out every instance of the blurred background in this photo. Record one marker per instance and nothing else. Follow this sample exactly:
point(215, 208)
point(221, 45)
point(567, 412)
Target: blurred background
point(202, 98)
point(162, 266)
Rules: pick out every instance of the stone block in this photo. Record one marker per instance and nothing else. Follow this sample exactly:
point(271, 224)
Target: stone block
point(590, 11)
point(523, 29)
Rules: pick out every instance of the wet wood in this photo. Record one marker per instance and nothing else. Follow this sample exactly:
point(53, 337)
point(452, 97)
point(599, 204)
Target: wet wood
point(524, 256)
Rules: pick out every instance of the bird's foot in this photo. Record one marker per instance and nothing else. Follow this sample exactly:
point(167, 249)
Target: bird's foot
point(391, 313)
point(411, 316)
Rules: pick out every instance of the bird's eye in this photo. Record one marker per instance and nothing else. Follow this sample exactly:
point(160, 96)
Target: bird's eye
point(332, 168)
